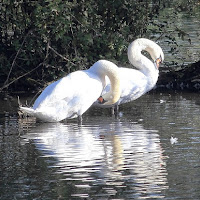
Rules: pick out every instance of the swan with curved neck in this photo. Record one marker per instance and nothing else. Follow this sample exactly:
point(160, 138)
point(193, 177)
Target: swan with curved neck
point(72, 95)
point(136, 82)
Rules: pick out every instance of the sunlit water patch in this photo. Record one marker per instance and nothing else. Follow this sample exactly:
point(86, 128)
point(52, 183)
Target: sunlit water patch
point(112, 155)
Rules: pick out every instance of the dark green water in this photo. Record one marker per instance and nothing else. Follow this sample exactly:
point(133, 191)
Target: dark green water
point(129, 157)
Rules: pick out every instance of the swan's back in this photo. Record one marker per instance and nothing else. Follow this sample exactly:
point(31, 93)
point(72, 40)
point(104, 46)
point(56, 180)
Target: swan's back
point(68, 97)
point(59, 90)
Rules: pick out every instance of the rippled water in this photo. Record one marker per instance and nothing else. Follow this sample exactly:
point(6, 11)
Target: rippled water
point(129, 157)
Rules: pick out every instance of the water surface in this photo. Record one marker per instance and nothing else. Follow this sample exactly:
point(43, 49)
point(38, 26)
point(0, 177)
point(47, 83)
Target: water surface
point(129, 157)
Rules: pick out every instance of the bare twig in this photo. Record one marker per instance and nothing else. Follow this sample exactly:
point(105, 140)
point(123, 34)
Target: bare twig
point(82, 24)
point(47, 51)
point(61, 55)
point(11, 82)
point(13, 63)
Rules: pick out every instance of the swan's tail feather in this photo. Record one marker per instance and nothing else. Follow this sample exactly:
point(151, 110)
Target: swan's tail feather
point(29, 111)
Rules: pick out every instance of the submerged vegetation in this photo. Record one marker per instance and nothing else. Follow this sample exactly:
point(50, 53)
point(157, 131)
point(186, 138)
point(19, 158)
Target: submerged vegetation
point(43, 40)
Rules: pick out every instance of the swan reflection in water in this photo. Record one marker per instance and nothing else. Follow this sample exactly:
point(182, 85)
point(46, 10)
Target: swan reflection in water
point(111, 152)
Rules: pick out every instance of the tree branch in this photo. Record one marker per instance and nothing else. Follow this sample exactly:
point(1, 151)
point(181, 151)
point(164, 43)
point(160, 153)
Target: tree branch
point(61, 55)
point(13, 63)
point(11, 82)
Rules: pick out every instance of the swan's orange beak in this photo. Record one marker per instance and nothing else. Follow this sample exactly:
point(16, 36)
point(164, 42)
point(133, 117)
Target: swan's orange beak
point(157, 62)
point(101, 100)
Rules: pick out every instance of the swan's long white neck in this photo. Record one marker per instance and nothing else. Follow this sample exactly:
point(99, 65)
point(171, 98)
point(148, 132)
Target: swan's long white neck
point(106, 68)
point(140, 61)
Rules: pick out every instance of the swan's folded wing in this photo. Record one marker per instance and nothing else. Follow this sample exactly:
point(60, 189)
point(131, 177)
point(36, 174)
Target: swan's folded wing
point(133, 84)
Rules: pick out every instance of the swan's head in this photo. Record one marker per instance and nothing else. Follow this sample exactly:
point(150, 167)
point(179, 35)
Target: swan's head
point(138, 45)
point(106, 68)
point(157, 61)
point(156, 52)
point(109, 98)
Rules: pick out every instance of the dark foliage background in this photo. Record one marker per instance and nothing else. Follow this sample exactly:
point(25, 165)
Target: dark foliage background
point(43, 40)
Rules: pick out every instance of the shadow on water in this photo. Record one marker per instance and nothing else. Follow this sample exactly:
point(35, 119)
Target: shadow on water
point(105, 158)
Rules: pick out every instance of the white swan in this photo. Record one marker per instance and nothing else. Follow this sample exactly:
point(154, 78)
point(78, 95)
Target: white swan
point(72, 95)
point(136, 82)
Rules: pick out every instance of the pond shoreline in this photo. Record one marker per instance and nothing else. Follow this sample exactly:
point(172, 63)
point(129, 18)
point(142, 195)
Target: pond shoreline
point(185, 79)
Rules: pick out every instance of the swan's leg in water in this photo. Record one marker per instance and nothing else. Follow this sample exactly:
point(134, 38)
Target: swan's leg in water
point(112, 110)
point(80, 119)
point(115, 110)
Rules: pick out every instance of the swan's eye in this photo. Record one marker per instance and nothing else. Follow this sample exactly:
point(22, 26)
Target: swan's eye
point(101, 100)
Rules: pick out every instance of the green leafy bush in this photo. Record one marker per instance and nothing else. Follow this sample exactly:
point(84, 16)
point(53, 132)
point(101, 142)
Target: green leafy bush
point(43, 40)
